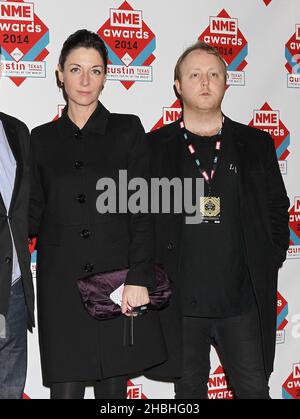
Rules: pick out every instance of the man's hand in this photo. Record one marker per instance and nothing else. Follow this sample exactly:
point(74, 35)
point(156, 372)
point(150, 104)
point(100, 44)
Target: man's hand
point(134, 296)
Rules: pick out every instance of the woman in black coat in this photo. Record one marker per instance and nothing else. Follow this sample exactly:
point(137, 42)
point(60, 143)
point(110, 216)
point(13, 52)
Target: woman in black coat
point(69, 156)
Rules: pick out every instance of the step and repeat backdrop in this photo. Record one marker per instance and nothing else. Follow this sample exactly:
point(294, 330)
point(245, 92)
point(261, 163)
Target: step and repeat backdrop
point(259, 40)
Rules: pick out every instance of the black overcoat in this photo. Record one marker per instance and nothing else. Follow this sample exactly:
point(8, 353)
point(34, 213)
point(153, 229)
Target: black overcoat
point(18, 138)
point(75, 240)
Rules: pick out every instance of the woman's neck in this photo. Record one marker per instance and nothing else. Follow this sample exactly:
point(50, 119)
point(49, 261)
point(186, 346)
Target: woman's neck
point(80, 114)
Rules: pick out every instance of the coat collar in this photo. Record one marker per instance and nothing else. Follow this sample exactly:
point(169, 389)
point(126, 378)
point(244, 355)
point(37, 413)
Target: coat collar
point(173, 143)
point(97, 123)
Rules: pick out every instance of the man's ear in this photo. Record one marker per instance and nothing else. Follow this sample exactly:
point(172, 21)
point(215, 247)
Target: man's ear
point(177, 87)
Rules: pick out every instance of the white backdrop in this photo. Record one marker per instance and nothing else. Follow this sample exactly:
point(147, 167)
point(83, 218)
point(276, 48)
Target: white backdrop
point(264, 92)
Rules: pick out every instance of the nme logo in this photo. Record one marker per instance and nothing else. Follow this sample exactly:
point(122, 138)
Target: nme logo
point(297, 204)
point(298, 32)
point(266, 118)
point(17, 11)
point(296, 371)
point(228, 26)
point(171, 115)
point(126, 18)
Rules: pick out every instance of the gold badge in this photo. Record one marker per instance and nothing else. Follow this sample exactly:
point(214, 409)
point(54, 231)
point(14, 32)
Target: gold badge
point(210, 208)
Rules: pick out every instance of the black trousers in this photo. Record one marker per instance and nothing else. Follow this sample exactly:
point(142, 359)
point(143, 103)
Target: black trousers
point(109, 388)
point(238, 342)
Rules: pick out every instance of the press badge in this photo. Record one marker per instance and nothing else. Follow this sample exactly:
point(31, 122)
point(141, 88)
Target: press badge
point(210, 208)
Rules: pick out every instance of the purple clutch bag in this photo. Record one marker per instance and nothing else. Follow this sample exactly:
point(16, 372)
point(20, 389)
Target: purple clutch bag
point(96, 289)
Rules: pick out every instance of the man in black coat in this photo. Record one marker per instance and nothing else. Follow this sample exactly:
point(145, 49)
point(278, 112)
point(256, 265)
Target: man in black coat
point(16, 288)
point(225, 268)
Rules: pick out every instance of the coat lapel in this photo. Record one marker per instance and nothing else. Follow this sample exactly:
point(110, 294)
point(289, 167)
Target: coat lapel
point(240, 149)
point(12, 139)
point(173, 151)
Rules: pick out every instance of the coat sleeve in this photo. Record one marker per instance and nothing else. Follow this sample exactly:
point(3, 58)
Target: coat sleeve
point(141, 251)
point(37, 198)
point(278, 203)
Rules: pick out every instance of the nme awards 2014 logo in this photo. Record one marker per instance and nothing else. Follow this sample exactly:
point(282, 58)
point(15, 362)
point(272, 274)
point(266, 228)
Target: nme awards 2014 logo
point(224, 34)
point(23, 39)
point(282, 312)
point(268, 120)
point(130, 44)
point(218, 385)
point(292, 55)
point(294, 226)
point(291, 387)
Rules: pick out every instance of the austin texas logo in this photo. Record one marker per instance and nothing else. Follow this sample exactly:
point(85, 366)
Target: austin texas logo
point(23, 38)
point(268, 120)
point(224, 34)
point(130, 43)
point(292, 55)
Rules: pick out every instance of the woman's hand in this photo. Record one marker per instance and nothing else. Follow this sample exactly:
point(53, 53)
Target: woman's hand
point(134, 296)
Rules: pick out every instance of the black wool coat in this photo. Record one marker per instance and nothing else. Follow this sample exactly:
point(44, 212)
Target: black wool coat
point(264, 211)
point(74, 241)
point(18, 138)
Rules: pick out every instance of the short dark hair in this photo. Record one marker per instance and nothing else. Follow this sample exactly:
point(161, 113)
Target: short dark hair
point(83, 39)
point(202, 46)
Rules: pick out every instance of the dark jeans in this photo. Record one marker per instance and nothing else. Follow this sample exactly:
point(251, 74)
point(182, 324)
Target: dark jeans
point(238, 342)
point(109, 388)
point(13, 348)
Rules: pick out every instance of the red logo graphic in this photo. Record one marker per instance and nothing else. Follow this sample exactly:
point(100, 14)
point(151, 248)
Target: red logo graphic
point(224, 34)
point(282, 312)
point(130, 43)
point(23, 38)
point(218, 385)
point(267, 2)
point(32, 243)
point(292, 55)
point(60, 109)
point(134, 391)
point(170, 114)
point(268, 120)
point(294, 226)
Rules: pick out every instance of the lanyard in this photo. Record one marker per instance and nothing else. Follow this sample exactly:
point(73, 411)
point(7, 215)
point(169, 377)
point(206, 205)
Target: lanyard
point(207, 178)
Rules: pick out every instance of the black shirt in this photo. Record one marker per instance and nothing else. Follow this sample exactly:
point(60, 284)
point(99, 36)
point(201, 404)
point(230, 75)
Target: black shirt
point(214, 274)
